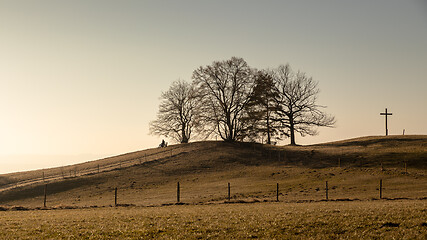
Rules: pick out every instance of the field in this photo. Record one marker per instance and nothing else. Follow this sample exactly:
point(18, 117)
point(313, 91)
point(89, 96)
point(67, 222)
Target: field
point(382, 219)
point(80, 199)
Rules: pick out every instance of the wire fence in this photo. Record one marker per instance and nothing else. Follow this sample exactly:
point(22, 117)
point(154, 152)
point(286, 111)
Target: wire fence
point(90, 168)
point(228, 192)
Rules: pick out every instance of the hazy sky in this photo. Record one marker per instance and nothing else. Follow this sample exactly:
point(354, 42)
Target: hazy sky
point(82, 79)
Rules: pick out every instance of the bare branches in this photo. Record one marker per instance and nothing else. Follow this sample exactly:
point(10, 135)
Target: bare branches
point(237, 102)
point(180, 112)
point(297, 110)
point(227, 85)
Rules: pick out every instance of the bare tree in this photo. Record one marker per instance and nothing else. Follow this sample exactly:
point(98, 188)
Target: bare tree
point(179, 112)
point(227, 86)
point(297, 110)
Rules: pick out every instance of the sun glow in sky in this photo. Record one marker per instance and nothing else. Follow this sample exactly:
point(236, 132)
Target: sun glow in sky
point(81, 80)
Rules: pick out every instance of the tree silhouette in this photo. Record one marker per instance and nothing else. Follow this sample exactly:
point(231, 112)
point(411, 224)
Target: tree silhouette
point(180, 112)
point(237, 102)
point(296, 98)
point(261, 108)
point(227, 86)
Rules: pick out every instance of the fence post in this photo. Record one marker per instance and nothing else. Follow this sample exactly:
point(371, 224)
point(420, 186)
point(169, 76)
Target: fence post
point(381, 188)
point(277, 192)
point(327, 197)
point(406, 168)
point(45, 193)
point(229, 192)
point(115, 197)
point(177, 193)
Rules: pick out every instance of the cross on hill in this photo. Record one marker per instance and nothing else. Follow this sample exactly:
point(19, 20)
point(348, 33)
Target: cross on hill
point(386, 114)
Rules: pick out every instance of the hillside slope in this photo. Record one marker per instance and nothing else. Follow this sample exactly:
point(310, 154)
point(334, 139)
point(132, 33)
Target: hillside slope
point(204, 169)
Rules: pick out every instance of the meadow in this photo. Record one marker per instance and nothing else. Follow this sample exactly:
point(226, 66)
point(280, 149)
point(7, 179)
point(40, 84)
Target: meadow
point(80, 203)
point(382, 219)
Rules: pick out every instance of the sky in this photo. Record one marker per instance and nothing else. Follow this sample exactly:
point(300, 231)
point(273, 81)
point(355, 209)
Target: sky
point(81, 79)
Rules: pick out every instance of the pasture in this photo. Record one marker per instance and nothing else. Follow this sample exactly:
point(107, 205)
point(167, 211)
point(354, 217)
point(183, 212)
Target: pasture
point(381, 219)
point(80, 199)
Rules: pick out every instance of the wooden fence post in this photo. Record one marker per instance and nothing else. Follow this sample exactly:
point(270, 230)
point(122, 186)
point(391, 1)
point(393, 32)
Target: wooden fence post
point(177, 193)
point(277, 192)
point(115, 197)
point(406, 168)
point(381, 188)
point(327, 197)
point(229, 192)
point(45, 194)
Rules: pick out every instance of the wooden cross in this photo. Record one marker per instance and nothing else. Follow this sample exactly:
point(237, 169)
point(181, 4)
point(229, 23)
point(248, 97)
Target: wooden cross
point(386, 114)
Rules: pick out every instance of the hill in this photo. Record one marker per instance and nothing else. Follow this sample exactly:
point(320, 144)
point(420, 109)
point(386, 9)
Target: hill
point(352, 168)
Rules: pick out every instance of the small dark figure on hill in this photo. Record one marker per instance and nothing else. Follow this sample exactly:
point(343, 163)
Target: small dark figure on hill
point(163, 144)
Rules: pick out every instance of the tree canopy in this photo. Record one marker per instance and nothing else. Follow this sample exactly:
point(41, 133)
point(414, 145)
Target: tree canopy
point(227, 86)
point(180, 112)
point(296, 99)
point(236, 102)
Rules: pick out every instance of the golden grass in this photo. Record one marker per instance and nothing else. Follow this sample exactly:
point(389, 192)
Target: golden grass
point(205, 168)
point(149, 178)
point(403, 219)
point(105, 164)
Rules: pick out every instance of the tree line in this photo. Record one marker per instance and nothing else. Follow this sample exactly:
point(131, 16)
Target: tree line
point(235, 102)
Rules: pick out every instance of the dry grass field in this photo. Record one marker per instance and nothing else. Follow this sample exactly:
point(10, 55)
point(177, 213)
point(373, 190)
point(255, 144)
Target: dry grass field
point(79, 197)
point(384, 219)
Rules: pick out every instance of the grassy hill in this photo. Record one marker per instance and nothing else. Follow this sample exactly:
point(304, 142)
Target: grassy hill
point(352, 168)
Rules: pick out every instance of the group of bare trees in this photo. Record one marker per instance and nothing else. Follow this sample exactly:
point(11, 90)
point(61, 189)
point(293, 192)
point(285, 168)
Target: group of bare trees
point(231, 100)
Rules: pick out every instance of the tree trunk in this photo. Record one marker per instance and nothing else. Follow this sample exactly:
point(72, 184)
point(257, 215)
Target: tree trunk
point(268, 126)
point(184, 138)
point(292, 130)
point(230, 134)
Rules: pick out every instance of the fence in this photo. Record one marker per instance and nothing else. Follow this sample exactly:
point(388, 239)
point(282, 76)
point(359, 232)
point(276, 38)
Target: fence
point(229, 195)
point(93, 168)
